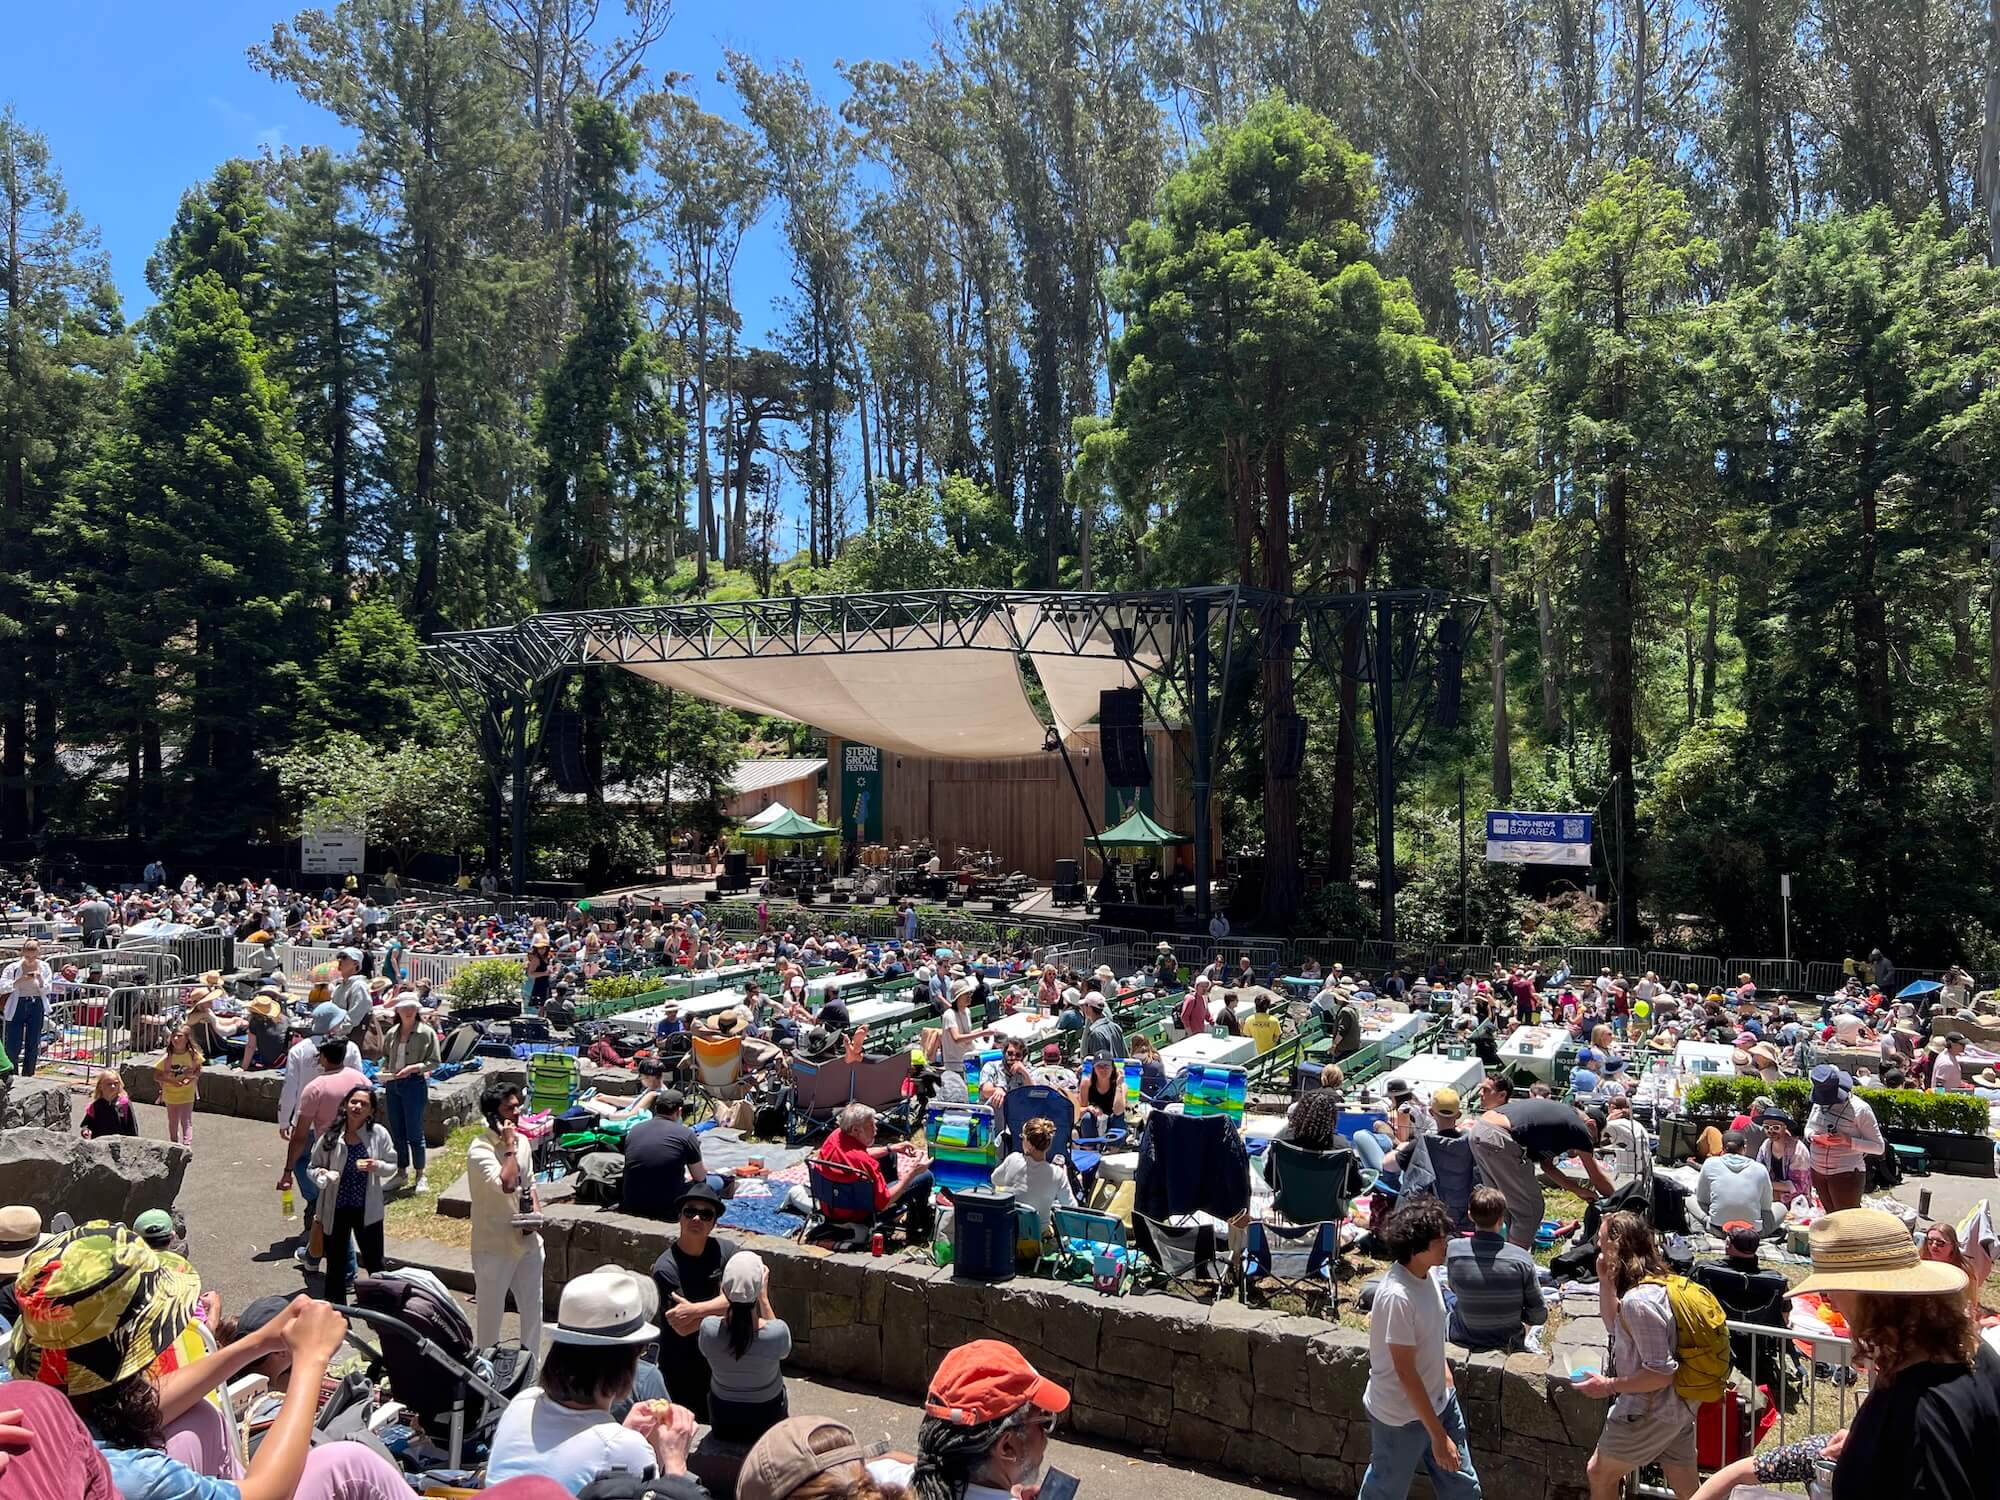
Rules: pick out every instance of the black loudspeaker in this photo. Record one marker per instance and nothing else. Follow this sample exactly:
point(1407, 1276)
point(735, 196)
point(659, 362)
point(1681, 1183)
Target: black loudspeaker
point(1450, 672)
point(1066, 872)
point(1288, 744)
point(1119, 723)
point(563, 750)
point(735, 870)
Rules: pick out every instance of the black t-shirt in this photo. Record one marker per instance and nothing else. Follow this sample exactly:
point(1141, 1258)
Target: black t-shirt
point(657, 1154)
point(1547, 1128)
point(698, 1278)
point(1928, 1435)
point(833, 1014)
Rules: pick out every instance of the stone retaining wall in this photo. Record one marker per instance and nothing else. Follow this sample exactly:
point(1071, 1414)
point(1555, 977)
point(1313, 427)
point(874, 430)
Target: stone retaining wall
point(39, 1103)
point(1269, 1395)
point(254, 1096)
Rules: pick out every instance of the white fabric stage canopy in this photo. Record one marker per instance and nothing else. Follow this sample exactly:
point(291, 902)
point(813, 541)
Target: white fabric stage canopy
point(953, 702)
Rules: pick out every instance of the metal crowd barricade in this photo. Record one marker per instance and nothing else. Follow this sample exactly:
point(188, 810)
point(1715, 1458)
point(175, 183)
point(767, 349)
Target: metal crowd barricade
point(1464, 958)
point(1688, 968)
point(1767, 973)
point(438, 968)
point(1815, 1390)
point(1617, 960)
point(159, 968)
point(94, 1027)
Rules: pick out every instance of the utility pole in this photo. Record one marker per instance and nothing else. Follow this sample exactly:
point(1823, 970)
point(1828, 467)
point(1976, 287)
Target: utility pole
point(1464, 909)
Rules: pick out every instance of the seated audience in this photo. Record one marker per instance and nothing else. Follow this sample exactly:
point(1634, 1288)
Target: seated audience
point(46, 1453)
point(662, 1156)
point(1496, 1288)
point(1038, 1184)
point(897, 1197)
point(562, 1428)
point(745, 1349)
point(1733, 1187)
point(1100, 1098)
point(1008, 1070)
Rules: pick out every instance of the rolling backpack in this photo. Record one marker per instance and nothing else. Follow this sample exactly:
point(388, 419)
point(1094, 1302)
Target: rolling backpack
point(1701, 1339)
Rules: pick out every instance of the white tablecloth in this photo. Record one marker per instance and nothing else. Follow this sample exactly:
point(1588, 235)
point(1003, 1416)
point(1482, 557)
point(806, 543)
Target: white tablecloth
point(1391, 1030)
point(1024, 1026)
point(1720, 1057)
point(713, 1003)
point(827, 984)
point(1230, 1051)
point(1428, 1072)
point(1535, 1048)
point(879, 1009)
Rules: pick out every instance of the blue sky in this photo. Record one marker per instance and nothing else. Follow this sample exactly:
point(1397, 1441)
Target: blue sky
point(140, 99)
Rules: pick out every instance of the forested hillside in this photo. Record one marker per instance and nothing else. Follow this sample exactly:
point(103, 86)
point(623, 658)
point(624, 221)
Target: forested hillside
point(1667, 325)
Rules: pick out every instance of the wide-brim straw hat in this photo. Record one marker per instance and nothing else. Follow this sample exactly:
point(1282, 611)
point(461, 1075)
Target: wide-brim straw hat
point(1867, 1250)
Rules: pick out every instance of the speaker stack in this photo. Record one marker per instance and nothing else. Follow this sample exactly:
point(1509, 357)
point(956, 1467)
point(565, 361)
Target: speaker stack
point(1120, 725)
point(1068, 886)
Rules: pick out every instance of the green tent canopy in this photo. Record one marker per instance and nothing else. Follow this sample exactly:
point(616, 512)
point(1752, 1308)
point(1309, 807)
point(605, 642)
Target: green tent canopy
point(1140, 832)
point(792, 825)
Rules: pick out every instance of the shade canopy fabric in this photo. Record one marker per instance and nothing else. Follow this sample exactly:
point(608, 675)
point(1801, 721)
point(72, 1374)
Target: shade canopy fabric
point(954, 702)
point(1141, 832)
point(765, 818)
point(793, 825)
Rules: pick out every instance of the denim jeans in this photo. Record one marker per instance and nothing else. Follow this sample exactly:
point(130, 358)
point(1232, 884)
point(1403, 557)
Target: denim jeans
point(407, 1098)
point(1370, 1149)
point(24, 1033)
point(1395, 1452)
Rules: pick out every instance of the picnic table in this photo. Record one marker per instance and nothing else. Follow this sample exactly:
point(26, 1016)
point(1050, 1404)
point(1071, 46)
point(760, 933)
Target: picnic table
point(1224, 1051)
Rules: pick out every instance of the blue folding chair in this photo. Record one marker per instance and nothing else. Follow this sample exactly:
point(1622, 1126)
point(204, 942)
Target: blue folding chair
point(843, 1205)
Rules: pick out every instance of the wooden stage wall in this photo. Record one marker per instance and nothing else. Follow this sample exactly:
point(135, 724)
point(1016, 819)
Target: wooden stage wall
point(1023, 808)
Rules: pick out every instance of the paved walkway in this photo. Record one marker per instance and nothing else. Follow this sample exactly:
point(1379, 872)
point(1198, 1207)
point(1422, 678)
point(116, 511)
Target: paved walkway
point(242, 1245)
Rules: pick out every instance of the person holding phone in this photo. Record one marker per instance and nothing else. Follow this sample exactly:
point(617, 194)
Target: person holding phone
point(506, 1256)
point(1842, 1133)
point(985, 1434)
point(350, 1162)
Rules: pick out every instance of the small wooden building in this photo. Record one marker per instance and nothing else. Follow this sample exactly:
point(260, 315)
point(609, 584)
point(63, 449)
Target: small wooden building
point(756, 784)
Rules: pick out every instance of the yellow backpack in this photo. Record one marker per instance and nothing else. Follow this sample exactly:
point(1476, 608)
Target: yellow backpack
point(1701, 1339)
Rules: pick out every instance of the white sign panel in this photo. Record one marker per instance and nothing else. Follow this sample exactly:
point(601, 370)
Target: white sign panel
point(1531, 838)
point(333, 851)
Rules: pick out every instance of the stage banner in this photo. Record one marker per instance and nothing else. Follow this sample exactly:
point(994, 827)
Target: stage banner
point(1532, 838)
point(1120, 802)
point(860, 794)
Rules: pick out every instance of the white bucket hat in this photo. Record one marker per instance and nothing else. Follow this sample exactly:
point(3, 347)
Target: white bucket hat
point(603, 1308)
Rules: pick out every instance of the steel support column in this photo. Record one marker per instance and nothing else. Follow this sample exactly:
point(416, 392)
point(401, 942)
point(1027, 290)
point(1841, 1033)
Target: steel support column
point(1385, 766)
point(518, 707)
point(1203, 769)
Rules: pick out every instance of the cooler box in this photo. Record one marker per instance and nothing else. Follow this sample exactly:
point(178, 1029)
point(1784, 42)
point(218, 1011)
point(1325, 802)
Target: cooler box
point(983, 1236)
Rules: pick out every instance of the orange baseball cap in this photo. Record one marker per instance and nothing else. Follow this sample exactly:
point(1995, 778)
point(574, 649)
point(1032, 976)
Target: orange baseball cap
point(986, 1380)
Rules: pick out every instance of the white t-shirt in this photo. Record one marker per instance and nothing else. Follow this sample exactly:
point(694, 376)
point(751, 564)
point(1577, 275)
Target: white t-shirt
point(1040, 1185)
point(1409, 1311)
point(539, 1436)
point(1847, 1028)
point(950, 1053)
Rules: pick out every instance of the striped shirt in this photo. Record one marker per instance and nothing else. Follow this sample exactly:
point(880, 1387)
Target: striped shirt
point(1497, 1288)
point(1850, 1118)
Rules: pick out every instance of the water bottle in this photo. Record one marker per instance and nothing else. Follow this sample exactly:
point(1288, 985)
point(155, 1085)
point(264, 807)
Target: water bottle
point(285, 1200)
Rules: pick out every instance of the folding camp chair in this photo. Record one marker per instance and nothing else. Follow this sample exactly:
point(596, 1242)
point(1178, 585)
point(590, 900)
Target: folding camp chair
point(878, 1083)
point(718, 1065)
point(554, 1080)
point(820, 1090)
point(1298, 1243)
point(1187, 1252)
point(458, 1046)
point(1095, 1244)
point(964, 1147)
point(843, 1205)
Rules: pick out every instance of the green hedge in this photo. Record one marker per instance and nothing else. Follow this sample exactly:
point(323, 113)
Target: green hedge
point(486, 981)
point(619, 987)
point(1904, 1109)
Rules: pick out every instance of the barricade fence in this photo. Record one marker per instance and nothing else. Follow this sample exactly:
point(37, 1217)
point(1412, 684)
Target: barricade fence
point(122, 963)
point(212, 950)
point(93, 1027)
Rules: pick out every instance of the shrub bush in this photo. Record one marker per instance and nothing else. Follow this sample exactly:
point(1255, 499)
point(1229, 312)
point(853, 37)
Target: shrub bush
point(1901, 1109)
point(618, 987)
point(486, 981)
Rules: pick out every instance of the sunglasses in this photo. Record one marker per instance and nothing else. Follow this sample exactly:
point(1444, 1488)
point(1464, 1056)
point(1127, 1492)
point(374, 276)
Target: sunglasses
point(706, 1215)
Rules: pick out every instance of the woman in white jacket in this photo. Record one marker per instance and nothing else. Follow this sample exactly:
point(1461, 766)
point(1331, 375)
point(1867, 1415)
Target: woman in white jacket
point(350, 1161)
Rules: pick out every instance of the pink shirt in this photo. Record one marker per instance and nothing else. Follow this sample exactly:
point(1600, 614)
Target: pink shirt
point(319, 1100)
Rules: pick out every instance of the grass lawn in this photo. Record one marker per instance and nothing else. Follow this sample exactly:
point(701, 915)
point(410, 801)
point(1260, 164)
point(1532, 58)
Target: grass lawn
point(415, 1215)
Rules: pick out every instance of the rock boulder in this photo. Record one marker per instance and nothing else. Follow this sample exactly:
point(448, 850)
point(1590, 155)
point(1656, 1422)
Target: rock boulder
point(115, 1179)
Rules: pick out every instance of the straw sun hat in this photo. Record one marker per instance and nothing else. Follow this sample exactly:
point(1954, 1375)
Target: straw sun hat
point(1867, 1250)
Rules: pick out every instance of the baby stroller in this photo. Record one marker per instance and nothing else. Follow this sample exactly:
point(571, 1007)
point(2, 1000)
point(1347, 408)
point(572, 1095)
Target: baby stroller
point(453, 1391)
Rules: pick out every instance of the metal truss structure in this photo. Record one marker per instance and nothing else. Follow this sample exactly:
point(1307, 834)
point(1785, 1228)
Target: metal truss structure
point(1173, 640)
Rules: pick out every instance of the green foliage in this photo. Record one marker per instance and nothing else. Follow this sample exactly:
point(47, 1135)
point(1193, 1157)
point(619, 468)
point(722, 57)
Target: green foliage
point(370, 679)
point(1901, 1109)
point(617, 987)
point(486, 981)
point(410, 797)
